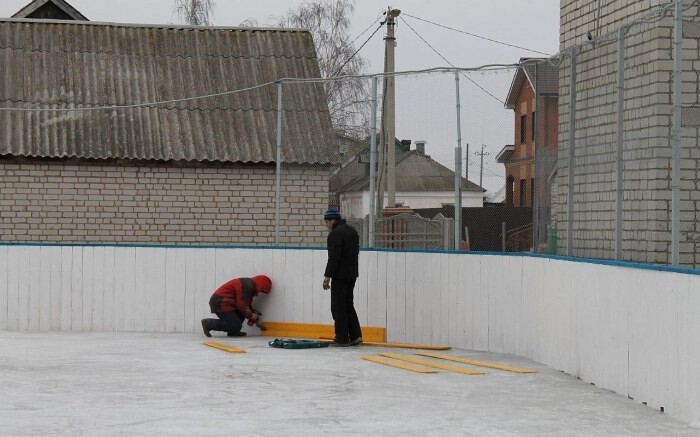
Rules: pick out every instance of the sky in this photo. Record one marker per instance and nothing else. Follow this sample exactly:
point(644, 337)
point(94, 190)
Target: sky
point(426, 105)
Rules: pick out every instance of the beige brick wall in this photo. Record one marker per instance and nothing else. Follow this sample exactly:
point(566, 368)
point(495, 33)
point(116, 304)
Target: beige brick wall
point(148, 203)
point(647, 137)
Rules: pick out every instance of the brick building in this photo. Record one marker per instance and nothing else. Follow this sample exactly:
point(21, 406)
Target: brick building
point(534, 87)
point(82, 162)
point(647, 132)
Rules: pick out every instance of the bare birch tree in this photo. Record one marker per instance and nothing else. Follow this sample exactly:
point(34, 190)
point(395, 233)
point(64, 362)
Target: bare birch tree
point(329, 23)
point(195, 12)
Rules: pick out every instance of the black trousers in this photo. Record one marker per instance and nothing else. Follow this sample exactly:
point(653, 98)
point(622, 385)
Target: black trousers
point(347, 325)
point(229, 322)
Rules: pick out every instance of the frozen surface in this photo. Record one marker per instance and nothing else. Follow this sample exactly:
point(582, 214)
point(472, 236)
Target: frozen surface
point(100, 384)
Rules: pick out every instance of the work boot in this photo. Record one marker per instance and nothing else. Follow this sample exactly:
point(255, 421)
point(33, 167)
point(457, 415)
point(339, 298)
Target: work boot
point(356, 342)
point(205, 328)
point(236, 334)
point(336, 343)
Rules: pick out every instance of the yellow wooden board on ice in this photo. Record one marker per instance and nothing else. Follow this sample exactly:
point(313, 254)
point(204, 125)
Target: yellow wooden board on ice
point(477, 363)
point(311, 330)
point(433, 364)
point(223, 347)
point(398, 364)
point(397, 345)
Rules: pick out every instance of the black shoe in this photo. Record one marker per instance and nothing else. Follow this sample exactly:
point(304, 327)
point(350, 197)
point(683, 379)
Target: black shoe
point(236, 334)
point(335, 343)
point(356, 342)
point(205, 328)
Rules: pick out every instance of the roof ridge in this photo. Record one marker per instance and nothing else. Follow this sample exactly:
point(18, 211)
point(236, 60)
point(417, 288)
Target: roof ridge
point(152, 25)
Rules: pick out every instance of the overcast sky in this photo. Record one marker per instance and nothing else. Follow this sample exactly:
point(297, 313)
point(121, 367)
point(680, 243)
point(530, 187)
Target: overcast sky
point(533, 24)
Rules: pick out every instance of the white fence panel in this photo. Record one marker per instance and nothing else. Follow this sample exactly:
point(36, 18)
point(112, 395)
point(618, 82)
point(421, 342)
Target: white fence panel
point(4, 284)
point(688, 333)
point(653, 321)
point(631, 330)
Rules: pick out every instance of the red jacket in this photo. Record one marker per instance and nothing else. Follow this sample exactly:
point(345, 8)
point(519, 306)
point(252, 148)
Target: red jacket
point(237, 295)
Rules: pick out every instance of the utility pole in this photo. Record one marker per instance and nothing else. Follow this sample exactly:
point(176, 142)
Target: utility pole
point(481, 171)
point(389, 122)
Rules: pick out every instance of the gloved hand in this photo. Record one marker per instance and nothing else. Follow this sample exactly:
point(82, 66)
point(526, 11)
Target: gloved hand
point(257, 320)
point(326, 282)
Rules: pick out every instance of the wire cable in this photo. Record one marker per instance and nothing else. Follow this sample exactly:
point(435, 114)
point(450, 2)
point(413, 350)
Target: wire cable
point(357, 51)
point(365, 31)
point(289, 80)
point(137, 105)
point(445, 59)
point(476, 36)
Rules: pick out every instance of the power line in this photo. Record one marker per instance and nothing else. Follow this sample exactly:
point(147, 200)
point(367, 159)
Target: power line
point(365, 31)
point(445, 59)
point(358, 36)
point(357, 51)
point(488, 172)
point(477, 36)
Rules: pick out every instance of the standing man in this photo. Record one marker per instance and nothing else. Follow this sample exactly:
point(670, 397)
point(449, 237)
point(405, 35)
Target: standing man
point(342, 269)
point(232, 303)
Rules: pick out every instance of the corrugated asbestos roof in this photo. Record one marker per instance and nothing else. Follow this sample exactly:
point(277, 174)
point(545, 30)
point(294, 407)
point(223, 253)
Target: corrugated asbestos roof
point(63, 64)
point(415, 172)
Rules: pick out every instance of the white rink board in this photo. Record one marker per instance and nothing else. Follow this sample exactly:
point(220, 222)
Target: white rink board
point(634, 331)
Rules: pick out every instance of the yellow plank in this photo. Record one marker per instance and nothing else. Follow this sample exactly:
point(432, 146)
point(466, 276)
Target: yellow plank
point(400, 365)
point(223, 347)
point(433, 364)
point(398, 345)
point(477, 363)
point(310, 330)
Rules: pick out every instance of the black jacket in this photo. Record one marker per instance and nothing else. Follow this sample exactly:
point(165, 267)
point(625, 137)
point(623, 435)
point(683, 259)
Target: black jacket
point(343, 252)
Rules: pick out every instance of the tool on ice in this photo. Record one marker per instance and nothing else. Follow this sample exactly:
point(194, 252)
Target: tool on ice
point(296, 344)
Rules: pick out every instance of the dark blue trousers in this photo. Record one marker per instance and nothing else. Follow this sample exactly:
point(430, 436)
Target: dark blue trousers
point(228, 322)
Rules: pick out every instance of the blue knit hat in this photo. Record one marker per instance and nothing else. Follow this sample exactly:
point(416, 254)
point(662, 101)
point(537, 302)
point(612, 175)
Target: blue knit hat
point(331, 214)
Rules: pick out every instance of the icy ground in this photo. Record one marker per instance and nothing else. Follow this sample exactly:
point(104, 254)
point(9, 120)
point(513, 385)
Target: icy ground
point(125, 384)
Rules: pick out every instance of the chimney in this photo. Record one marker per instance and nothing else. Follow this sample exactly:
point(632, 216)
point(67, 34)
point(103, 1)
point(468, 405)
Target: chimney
point(405, 145)
point(420, 146)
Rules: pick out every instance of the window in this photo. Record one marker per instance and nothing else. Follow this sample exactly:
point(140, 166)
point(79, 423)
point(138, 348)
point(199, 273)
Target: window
point(510, 182)
point(523, 129)
point(533, 125)
point(523, 187)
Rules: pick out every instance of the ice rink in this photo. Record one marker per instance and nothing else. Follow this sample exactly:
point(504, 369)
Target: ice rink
point(126, 384)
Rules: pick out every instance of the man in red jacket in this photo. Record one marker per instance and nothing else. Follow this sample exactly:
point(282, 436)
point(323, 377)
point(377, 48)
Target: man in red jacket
point(232, 303)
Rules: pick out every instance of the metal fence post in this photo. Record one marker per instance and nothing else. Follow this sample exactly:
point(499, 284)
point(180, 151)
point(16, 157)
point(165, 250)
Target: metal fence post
point(458, 170)
point(572, 157)
point(503, 236)
point(365, 230)
point(278, 170)
point(676, 146)
point(372, 164)
point(535, 201)
point(620, 140)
